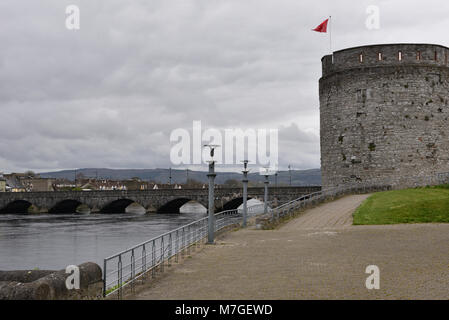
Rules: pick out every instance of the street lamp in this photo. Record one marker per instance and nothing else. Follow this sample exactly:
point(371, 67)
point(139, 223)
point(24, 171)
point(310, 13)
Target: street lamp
point(211, 175)
point(245, 191)
point(266, 182)
point(290, 174)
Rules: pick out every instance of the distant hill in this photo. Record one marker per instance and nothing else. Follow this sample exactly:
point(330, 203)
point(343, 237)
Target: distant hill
point(299, 177)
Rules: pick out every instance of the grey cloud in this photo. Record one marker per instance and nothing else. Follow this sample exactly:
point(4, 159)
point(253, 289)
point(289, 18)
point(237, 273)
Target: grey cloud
point(110, 94)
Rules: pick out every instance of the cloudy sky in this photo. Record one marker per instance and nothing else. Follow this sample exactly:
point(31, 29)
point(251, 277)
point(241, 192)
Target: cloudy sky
point(110, 94)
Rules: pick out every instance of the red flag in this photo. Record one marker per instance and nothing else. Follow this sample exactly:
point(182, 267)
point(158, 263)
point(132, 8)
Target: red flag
point(322, 27)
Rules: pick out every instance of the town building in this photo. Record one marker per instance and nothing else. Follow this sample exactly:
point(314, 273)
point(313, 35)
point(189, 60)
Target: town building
point(2, 183)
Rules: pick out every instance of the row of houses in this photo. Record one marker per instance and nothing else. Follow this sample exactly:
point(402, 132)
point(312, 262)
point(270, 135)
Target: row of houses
point(105, 184)
point(88, 184)
point(22, 182)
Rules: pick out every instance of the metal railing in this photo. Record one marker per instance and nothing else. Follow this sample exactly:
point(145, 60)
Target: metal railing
point(124, 268)
point(322, 196)
point(293, 205)
point(357, 188)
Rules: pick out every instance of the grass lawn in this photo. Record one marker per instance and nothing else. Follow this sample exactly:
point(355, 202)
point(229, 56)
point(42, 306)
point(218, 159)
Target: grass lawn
point(420, 205)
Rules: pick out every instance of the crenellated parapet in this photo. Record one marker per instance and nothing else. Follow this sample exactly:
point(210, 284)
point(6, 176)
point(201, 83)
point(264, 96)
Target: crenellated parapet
point(389, 55)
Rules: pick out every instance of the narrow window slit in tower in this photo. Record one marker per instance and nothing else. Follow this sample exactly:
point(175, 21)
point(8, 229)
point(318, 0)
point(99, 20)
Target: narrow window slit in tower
point(379, 56)
point(436, 56)
point(418, 55)
point(400, 55)
point(361, 58)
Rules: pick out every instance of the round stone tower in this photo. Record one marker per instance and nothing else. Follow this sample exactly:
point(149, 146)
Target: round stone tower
point(384, 115)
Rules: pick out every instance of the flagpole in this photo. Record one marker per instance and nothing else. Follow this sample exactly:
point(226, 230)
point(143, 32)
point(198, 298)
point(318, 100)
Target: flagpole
point(330, 33)
point(330, 37)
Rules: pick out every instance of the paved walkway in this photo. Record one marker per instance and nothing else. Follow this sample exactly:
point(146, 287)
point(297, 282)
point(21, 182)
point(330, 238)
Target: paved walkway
point(318, 255)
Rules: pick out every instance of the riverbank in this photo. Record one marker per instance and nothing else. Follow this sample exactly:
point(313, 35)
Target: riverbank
point(52, 284)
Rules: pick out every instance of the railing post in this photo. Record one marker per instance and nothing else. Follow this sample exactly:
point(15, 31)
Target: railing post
point(133, 269)
point(197, 235)
point(205, 229)
point(189, 231)
point(119, 277)
point(183, 242)
point(153, 259)
point(192, 238)
point(177, 246)
point(169, 249)
point(144, 261)
point(162, 254)
point(104, 277)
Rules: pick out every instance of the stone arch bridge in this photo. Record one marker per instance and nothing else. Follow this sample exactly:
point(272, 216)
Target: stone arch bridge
point(161, 200)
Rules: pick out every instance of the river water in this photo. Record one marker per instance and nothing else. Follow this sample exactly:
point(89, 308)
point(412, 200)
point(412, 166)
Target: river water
point(56, 241)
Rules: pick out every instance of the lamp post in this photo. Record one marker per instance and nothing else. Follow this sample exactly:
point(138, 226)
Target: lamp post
point(245, 191)
point(265, 197)
point(276, 184)
point(290, 174)
point(169, 177)
point(211, 175)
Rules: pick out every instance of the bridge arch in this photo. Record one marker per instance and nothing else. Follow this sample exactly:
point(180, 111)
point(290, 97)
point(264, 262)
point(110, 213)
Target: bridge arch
point(233, 204)
point(70, 206)
point(117, 206)
point(17, 206)
point(173, 206)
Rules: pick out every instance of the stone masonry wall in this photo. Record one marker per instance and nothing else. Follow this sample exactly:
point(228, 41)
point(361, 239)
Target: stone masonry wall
point(384, 115)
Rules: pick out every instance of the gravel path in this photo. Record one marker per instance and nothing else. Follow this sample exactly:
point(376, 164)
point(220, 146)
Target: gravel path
point(318, 255)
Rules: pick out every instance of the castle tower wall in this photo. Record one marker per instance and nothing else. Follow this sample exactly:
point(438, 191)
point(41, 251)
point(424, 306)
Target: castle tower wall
point(385, 115)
